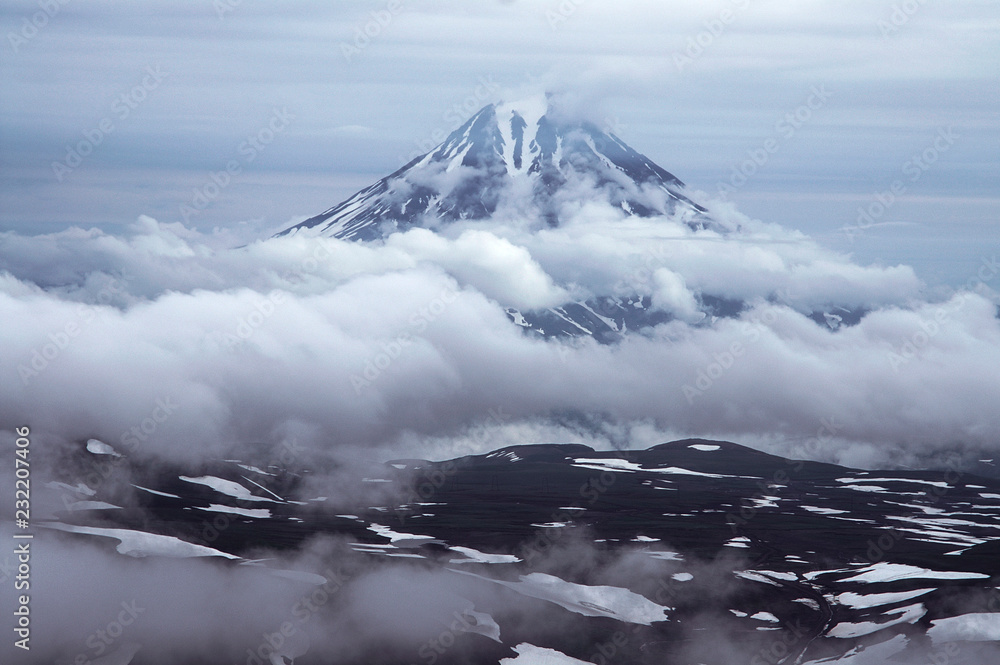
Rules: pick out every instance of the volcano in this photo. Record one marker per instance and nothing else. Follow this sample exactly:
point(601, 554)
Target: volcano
point(526, 162)
point(522, 159)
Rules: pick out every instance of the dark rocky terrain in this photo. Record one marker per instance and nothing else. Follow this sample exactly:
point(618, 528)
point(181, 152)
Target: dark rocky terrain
point(689, 552)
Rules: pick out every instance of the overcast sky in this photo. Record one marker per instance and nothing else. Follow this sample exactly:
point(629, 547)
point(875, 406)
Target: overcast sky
point(115, 116)
point(696, 86)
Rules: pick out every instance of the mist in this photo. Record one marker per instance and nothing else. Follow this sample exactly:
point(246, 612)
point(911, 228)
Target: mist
point(179, 347)
point(374, 349)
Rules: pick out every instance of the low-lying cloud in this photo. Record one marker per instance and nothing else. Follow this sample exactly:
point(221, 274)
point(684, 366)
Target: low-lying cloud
point(360, 347)
point(172, 349)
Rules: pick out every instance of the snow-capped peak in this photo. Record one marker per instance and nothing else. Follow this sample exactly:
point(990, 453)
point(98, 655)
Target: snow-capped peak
point(472, 174)
point(518, 124)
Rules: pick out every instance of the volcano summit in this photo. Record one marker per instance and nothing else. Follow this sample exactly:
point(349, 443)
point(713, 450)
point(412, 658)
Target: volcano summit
point(521, 159)
point(528, 164)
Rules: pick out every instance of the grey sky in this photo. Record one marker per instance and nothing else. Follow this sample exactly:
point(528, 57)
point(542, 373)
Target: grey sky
point(697, 86)
point(118, 115)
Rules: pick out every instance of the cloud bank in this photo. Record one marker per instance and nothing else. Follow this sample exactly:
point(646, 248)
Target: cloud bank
point(375, 347)
point(180, 347)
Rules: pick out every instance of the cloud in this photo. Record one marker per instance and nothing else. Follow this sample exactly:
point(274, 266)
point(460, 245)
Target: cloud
point(337, 355)
point(352, 130)
point(185, 345)
point(351, 348)
point(612, 64)
point(494, 266)
point(670, 293)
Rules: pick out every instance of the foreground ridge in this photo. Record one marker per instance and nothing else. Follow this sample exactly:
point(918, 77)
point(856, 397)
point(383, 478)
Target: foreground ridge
point(803, 559)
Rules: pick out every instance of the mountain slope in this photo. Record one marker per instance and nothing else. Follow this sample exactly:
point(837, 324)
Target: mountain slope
point(561, 547)
point(525, 166)
point(518, 157)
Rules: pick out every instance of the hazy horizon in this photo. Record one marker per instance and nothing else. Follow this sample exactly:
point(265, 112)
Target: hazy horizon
point(698, 87)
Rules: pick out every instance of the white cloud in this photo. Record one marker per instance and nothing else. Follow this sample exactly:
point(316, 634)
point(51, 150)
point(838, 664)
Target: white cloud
point(495, 266)
point(670, 293)
point(362, 344)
